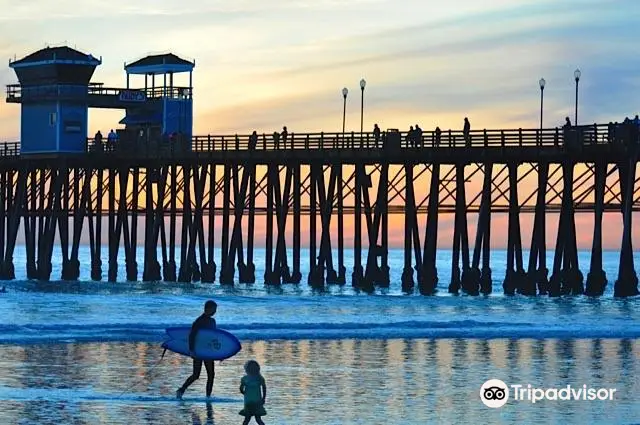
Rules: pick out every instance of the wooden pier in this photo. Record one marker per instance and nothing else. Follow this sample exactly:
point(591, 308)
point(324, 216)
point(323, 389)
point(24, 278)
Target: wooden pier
point(163, 190)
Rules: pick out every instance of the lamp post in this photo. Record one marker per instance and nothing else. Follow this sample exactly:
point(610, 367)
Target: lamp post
point(576, 75)
point(542, 83)
point(345, 91)
point(363, 83)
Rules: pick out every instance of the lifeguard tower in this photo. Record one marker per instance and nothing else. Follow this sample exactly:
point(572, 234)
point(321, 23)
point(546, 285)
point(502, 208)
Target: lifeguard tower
point(54, 83)
point(166, 110)
point(55, 93)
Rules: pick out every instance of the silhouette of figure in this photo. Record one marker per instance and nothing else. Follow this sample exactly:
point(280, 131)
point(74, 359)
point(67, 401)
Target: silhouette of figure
point(418, 136)
point(111, 139)
point(253, 140)
point(98, 140)
point(276, 140)
point(284, 135)
point(567, 123)
point(376, 134)
point(438, 136)
point(204, 321)
point(467, 132)
point(411, 137)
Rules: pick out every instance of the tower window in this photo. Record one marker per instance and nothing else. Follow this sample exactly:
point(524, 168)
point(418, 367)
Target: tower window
point(52, 119)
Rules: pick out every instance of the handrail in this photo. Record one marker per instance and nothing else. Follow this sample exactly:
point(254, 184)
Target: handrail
point(527, 138)
point(9, 149)
point(572, 138)
point(16, 91)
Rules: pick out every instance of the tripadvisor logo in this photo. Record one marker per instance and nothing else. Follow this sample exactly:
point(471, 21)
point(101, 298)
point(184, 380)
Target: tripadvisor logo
point(495, 393)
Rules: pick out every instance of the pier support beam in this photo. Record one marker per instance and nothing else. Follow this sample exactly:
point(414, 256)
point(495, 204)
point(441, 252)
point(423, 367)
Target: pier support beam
point(537, 272)
point(296, 276)
point(411, 234)
point(627, 283)
point(481, 280)
point(567, 279)
point(514, 279)
point(460, 236)
point(429, 278)
point(357, 276)
point(597, 278)
point(327, 200)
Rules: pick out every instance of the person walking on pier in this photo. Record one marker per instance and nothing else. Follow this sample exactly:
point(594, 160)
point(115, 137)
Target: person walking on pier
point(111, 140)
point(411, 141)
point(253, 140)
point(205, 321)
point(467, 132)
point(283, 136)
point(276, 140)
point(376, 135)
point(98, 141)
point(418, 136)
point(438, 135)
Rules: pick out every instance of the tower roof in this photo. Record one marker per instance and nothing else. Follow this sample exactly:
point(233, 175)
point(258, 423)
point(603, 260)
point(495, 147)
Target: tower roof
point(56, 55)
point(159, 64)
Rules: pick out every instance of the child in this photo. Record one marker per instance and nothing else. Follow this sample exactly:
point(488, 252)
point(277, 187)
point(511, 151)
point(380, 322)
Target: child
point(250, 386)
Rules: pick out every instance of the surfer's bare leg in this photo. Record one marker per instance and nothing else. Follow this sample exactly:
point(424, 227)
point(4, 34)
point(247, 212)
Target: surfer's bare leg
point(247, 419)
point(197, 367)
point(259, 420)
point(211, 374)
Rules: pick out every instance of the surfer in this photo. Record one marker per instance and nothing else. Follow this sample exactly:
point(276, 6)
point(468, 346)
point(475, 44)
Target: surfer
point(205, 321)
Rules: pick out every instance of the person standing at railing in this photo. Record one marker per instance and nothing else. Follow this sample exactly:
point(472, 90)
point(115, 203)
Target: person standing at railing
point(438, 135)
point(467, 132)
point(610, 132)
point(376, 135)
point(284, 135)
point(276, 140)
point(98, 141)
point(111, 140)
point(418, 136)
point(411, 137)
point(253, 140)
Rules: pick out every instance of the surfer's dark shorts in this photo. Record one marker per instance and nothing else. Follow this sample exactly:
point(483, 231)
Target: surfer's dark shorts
point(253, 409)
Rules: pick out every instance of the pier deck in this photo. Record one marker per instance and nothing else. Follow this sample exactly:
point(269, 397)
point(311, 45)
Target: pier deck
point(202, 198)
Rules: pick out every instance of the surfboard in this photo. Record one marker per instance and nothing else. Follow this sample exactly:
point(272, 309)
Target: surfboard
point(211, 344)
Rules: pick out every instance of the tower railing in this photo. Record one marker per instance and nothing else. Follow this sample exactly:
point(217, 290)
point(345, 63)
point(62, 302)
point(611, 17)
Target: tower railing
point(17, 92)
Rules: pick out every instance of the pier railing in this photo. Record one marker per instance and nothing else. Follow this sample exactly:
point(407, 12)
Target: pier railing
point(562, 138)
point(393, 139)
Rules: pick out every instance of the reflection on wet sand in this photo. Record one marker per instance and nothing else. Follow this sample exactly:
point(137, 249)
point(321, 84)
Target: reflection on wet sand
point(319, 382)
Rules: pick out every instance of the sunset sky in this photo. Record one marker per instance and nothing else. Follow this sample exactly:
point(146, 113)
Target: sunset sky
point(264, 64)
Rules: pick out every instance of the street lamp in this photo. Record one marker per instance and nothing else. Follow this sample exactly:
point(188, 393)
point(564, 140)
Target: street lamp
point(576, 75)
point(345, 91)
point(542, 83)
point(362, 84)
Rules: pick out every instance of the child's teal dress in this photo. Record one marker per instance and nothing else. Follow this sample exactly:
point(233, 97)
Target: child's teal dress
point(252, 396)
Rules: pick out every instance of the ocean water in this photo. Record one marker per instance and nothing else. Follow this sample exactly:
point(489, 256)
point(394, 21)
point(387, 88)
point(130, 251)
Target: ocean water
point(89, 353)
